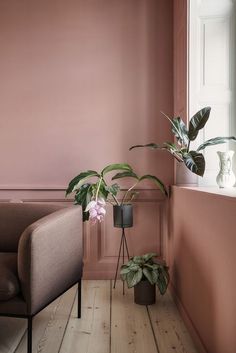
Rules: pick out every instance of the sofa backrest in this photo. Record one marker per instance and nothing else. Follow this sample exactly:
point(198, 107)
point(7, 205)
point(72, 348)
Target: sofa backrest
point(16, 217)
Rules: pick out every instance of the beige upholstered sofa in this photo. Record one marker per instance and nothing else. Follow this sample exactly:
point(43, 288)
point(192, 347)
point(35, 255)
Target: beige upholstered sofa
point(40, 257)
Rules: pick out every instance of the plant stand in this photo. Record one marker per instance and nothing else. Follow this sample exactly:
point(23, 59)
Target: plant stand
point(123, 218)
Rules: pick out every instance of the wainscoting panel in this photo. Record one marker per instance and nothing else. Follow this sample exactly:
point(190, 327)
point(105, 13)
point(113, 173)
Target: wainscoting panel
point(101, 240)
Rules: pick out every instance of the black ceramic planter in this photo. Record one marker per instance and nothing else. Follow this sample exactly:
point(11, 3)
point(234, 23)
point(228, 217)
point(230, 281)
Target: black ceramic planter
point(123, 216)
point(145, 293)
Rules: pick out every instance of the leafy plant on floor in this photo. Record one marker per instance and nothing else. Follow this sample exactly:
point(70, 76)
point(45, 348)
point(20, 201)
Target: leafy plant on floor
point(92, 190)
point(144, 267)
point(193, 159)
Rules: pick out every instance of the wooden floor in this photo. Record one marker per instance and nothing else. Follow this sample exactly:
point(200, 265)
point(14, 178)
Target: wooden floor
point(110, 323)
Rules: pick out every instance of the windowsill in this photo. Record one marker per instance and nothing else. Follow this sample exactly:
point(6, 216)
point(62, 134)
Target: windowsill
point(215, 190)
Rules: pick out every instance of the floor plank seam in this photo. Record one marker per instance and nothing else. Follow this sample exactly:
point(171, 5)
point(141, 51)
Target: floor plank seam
point(153, 332)
point(68, 319)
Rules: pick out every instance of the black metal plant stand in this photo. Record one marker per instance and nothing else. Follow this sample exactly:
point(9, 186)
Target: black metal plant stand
point(123, 218)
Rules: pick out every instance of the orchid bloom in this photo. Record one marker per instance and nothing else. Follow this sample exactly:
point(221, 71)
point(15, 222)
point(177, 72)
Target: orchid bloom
point(96, 209)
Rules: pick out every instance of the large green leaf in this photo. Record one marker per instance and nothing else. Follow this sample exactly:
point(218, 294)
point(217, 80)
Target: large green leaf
point(126, 174)
point(116, 166)
point(138, 260)
point(113, 189)
point(162, 279)
point(157, 181)
point(180, 131)
point(148, 274)
point(134, 277)
point(215, 141)
point(197, 122)
point(150, 145)
point(103, 192)
point(195, 162)
point(149, 256)
point(83, 197)
point(77, 181)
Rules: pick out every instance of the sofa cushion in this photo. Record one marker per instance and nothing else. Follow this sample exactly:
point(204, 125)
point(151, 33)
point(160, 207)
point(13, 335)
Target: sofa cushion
point(9, 283)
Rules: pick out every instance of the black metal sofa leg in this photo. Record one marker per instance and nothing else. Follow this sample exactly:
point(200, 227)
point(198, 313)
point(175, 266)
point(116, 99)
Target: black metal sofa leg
point(79, 299)
point(29, 336)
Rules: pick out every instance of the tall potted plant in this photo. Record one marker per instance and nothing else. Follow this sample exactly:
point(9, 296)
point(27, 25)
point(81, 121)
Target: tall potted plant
point(193, 159)
point(144, 274)
point(92, 192)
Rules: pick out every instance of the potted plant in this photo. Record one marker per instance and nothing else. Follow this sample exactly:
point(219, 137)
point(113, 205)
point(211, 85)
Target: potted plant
point(143, 273)
point(193, 159)
point(92, 192)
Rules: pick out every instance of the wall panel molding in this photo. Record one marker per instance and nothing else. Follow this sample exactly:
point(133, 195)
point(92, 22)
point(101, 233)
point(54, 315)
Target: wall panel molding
point(101, 240)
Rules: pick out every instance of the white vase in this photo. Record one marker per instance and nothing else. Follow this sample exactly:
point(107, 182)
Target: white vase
point(226, 177)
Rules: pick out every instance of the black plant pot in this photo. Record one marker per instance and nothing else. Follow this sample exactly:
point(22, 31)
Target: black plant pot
point(123, 216)
point(145, 293)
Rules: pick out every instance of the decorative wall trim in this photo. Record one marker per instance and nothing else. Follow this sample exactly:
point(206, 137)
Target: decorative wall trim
point(101, 241)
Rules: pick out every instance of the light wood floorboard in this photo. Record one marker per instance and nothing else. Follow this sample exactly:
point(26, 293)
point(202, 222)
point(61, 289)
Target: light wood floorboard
point(170, 331)
point(110, 323)
point(90, 334)
point(130, 326)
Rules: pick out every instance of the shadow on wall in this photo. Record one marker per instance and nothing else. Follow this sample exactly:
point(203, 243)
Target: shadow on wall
point(196, 292)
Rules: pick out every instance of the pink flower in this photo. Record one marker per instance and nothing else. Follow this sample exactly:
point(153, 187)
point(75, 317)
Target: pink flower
point(96, 210)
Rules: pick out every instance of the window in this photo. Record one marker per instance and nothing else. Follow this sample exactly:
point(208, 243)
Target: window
point(212, 74)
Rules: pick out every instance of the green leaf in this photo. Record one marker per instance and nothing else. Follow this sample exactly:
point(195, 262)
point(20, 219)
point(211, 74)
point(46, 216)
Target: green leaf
point(134, 277)
point(170, 146)
point(103, 192)
point(138, 260)
point(117, 166)
point(180, 131)
point(154, 274)
point(148, 274)
point(113, 189)
point(126, 174)
point(197, 122)
point(150, 145)
point(83, 197)
point(157, 181)
point(149, 256)
point(215, 141)
point(162, 279)
point(124, 270)
point(76, 182)
point(195, 162)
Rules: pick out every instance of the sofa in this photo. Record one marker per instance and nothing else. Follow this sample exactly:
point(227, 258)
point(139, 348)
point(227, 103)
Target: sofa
point(41, 257)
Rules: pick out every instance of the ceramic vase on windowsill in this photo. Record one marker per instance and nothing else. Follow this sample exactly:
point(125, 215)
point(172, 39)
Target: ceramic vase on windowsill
point(226, 177)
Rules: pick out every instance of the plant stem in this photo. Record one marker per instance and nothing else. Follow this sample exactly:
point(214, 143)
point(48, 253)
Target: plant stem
point(102, 179)
point(125, 195)
point(99, 184)
point(116, 200)
point(188, 145)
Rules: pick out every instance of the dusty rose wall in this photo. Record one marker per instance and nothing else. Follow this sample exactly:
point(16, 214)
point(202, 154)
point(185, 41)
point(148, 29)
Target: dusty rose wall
point(81, 81)
point(202, 247)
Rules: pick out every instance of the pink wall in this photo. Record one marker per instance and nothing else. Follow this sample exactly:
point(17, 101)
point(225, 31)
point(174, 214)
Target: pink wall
point(202, 247)
point(81, 81)
point(180, 35)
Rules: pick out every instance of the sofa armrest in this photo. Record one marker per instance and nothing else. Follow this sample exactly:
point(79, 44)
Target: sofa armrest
point(50, 257)
point(15, 217)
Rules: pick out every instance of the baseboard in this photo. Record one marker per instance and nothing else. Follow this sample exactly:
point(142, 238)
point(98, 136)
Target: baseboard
point(188, 322)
